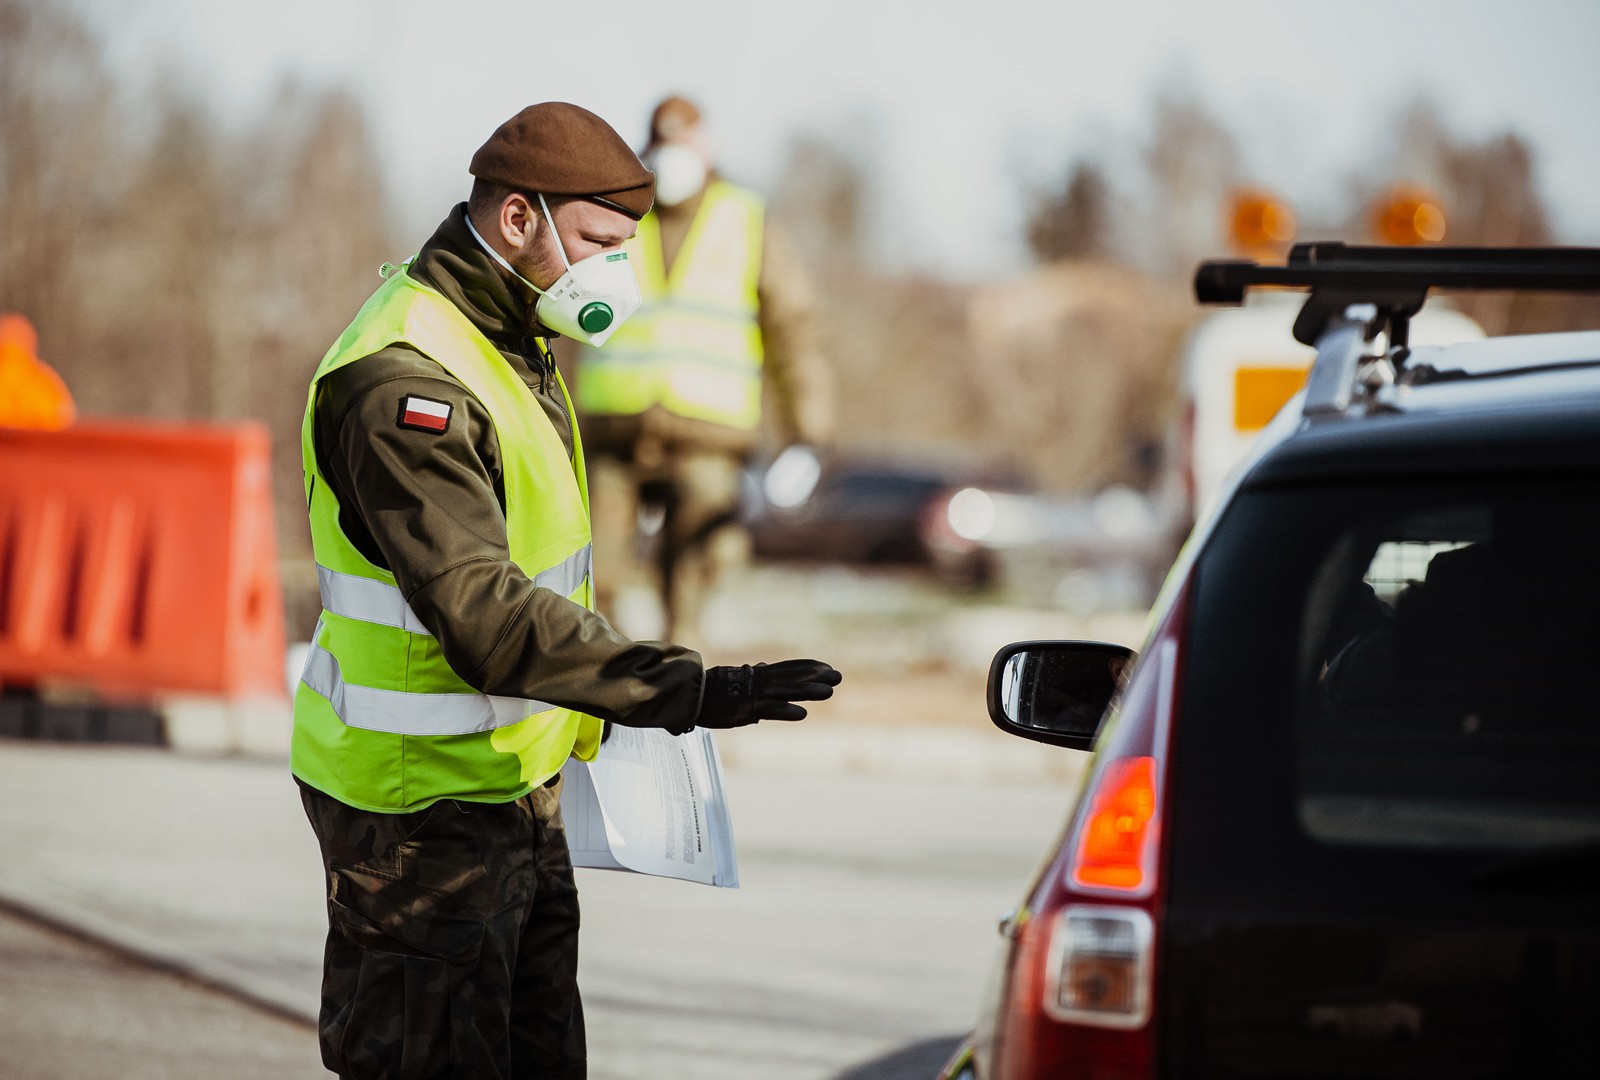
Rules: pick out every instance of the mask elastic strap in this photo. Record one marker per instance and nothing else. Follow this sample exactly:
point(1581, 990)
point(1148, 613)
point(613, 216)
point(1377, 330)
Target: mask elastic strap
point(499, 258)
point(562, 248)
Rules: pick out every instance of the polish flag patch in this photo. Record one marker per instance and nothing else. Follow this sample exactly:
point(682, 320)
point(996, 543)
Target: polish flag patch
point(424, 414)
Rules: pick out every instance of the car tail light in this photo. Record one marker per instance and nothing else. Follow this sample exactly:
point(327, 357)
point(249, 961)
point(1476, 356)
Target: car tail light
point(1097, 970)
point(1080, 1000)
point(1115, 842)
point(1055, 1023)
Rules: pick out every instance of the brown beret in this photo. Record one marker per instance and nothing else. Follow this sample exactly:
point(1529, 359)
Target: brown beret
point(559, 149)
point(673, 115)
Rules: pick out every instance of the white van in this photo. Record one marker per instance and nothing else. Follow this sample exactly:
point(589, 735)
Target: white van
point(1240, 365)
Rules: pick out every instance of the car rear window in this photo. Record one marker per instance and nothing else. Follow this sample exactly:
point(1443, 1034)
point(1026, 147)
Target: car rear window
point(1384, 673)
point(1445, 676)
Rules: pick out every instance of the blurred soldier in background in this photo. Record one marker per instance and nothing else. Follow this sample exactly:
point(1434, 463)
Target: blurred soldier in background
point(32, 395)
point(672, 404)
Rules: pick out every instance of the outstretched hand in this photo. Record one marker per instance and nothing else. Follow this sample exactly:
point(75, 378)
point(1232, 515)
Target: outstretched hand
point(736, 696)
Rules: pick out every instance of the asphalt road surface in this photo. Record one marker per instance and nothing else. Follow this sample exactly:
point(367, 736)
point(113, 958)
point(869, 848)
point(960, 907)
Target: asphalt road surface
point(71, 1010)
point(857, 947)
point(75, 1010)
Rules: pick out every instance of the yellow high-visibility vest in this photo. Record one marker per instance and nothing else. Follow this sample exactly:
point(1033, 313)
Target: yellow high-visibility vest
point(694, 348)
point(381, 721)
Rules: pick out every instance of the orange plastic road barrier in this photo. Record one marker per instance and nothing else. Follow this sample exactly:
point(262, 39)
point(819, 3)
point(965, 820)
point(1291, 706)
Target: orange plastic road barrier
point(139, 557)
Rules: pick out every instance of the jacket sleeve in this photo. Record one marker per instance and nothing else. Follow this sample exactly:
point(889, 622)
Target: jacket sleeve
point(432, 504)
point(799, 379)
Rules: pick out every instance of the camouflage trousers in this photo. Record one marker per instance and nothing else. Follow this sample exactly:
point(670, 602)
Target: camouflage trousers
point(699, 542)
point(452, 944)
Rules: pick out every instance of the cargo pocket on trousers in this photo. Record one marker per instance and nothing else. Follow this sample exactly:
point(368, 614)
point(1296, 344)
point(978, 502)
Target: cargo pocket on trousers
point(385, 913)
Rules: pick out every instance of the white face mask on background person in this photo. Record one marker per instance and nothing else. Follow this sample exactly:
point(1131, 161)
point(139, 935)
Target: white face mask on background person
point(590, 300)
point(680, 173)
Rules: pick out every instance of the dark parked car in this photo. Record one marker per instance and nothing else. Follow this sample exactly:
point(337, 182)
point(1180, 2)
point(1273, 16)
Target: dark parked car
point(971, 525)
point(881, 512)
point(1343, 817)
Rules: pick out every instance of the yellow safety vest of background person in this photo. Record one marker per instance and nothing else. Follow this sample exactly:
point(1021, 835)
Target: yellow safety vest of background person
point(376, 678)
point(694, 348)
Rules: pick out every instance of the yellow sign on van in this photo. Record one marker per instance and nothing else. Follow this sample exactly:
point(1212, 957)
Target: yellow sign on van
point(1259, 391)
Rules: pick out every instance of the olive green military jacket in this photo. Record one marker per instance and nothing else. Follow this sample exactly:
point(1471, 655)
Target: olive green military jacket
point(430, 507)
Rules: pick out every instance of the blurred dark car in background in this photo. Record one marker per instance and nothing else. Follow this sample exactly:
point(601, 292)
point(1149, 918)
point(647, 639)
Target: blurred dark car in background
point(876, 512)
point(1106, 551)
point(972, 526)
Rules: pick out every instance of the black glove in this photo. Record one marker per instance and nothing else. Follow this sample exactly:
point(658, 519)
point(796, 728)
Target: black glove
point(736, 696)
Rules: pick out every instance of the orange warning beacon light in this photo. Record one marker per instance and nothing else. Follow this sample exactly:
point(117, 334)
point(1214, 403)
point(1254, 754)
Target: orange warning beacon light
point(1261, 225)
point(1408, 216)
point(32, 395)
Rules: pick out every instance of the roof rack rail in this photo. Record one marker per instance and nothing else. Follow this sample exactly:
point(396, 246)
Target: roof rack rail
point(1394, 279)
point(1357, 292)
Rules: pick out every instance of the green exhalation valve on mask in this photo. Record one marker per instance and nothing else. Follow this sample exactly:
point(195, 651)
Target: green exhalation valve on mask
point(594, 317)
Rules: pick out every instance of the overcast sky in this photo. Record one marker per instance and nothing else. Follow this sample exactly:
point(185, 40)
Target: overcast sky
point(957, 103)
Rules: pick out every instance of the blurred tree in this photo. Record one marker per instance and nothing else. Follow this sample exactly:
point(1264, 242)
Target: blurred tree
point(1076, 222)
point(174, 267)
point(1193, 164)
point(172, 227)
point(822, 199)
point(1075, 362)
point(1073, 366)
point(897, 343)
point(59, 163)
point(1489, 191)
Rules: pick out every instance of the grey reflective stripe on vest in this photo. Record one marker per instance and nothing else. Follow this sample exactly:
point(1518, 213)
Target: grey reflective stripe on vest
point(367, 600)
point(401, 713)
point(565, 577)
point(370, 600)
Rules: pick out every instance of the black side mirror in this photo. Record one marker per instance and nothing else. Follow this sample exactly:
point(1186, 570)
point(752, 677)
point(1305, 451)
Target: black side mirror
point(1055, 691)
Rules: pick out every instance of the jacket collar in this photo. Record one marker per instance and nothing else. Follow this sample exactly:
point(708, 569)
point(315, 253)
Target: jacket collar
point(453, 263)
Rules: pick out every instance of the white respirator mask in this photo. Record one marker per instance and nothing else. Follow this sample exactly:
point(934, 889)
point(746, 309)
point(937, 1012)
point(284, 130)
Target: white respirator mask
point(590, 300)
point(680, 174)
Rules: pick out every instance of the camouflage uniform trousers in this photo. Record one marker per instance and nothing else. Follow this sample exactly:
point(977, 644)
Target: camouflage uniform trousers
point(700, 541)
point(452, 945)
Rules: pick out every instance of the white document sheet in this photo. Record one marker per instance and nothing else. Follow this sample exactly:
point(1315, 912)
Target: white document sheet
point(651, 803)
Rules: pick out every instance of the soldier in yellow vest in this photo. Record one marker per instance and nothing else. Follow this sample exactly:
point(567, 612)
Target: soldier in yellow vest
point(672, 403)
point(458, 662)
